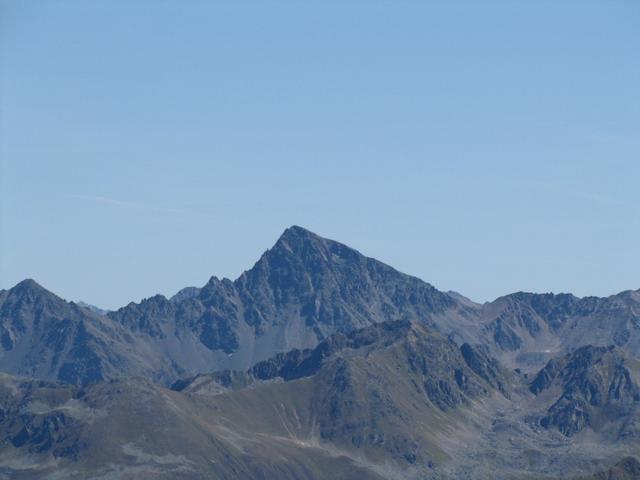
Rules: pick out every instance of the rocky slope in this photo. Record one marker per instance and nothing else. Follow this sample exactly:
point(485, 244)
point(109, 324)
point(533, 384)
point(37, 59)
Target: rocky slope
point(392, 400)
point(299, 292)
point(43, 336)
point(378, 402)
point(595, 387)
point(527, 329)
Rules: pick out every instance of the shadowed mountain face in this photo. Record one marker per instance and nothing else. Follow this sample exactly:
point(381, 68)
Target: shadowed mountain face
point(327, 286)
point(594, 387)
point(42, 336)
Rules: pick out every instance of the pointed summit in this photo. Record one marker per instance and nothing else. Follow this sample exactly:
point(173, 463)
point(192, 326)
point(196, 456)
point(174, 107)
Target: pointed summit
point(299, 257)
point(27, 284)
point(29, 288)
point(296, 231)
point(310, 248)
point(295, 238)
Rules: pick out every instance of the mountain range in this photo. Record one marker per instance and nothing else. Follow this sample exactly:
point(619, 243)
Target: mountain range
point(319, 362)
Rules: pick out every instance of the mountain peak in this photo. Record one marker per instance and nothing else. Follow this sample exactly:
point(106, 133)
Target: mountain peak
point(299, 251)
point(302, 243)
point(28, 283)
point(29, 286)
point(298, 231)
point(293, 237)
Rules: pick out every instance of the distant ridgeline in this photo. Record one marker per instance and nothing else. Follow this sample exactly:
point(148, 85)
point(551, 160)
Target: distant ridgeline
point(320, 362)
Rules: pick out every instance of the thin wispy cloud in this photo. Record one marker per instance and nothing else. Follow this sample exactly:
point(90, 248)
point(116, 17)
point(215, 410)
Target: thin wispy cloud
point(123, 204)
point(107, 201)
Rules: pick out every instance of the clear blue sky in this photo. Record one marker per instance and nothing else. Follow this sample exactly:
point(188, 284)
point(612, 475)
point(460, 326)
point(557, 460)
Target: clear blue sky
point(485, 147)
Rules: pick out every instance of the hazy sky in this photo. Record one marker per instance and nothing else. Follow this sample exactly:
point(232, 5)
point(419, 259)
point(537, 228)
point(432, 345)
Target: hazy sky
point(484, 146)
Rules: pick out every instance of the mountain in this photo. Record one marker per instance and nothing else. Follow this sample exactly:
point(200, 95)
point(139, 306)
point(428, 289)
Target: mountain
point(391, 400)
point(374, 403)
point(299, 292)
point(43, 336)
point(320, 362)
point(397, 384)
point(595, 387)
point(130, 429)
point(417, 342)
point(527, 329)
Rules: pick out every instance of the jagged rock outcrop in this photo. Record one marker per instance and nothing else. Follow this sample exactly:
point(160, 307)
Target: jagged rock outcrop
point(528, 329)
point(596, 386)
